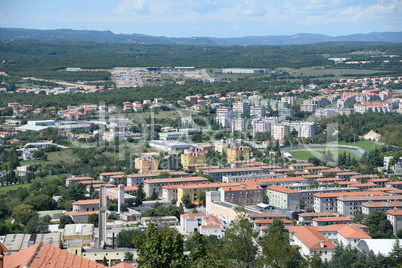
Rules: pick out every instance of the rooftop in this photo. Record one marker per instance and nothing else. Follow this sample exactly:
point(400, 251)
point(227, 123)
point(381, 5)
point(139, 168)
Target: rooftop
point(47, 256)
point(282, 189)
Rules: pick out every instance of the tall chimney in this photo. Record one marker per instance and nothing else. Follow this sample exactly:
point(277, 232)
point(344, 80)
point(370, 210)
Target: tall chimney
point(120, 197)
point(102, 216)
point(322, 245)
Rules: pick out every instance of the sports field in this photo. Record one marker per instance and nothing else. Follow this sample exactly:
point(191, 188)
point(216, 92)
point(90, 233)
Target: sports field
point(305, 154)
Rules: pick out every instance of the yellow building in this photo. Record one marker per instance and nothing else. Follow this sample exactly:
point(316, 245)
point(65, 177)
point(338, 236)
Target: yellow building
point(194, 190)
point(221, 147)
point(191, 158)
point(238, 153)
point(146, 164)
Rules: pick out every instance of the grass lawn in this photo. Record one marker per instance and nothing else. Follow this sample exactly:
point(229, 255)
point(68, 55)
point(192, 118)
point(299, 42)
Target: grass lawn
point(364, 144)
point(306, 154)
point(5, 189)
point(49, 212)
point(54, 157)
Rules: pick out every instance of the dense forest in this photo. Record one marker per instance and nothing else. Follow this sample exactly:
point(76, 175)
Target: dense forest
point(26, 57)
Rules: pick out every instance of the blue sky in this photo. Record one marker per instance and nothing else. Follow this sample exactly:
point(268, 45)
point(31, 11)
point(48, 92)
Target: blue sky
point(213, 18)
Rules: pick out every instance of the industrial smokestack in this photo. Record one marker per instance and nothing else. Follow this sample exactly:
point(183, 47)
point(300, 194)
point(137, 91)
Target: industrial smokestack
point(102, 216)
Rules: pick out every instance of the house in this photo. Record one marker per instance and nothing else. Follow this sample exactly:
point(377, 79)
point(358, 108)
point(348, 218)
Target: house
point(191, 222)
point(310, 240)
point(47, 256)
point(307, 217)
point(395, 217)
point(322, 221)
point(86, 205)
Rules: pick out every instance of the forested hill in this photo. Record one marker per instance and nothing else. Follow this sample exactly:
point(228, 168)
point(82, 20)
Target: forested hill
point(110, 37)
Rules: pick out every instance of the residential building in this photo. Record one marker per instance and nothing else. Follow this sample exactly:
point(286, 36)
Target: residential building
point(279, 132)
point(47, 256)
point(244, 195)
point(86, 205)
point(258, 111)
point(367, 207)
point(238, 153)
point(283, 198)
point(155, 185)
point(395, 217)
point(146, 164)
point(240, 125)
point(194, 156)
point(240, 107)
point(306, 130)
point(310, 240)
point(351, 205)
point(323, 221)
point(261, 127)
point(218, 174)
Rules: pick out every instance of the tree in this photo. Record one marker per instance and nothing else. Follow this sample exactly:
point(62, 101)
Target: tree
point(328, 157)
point(395, 255)
point(128, 256)
point(42, 202)
point(276, 248)
point(104, 261)
point(202, 197)
point(185, 199)
point(126, 238)
point(65, 219)
point(399, 234)
point(24, 213)
point(139, 196)
point(379, 226)
point(94, 219)
point(161, 248)
point(239, 248)
point(315, 161)
point(36, 226)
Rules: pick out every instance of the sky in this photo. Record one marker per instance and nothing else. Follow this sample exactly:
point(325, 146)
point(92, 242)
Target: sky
point(206, 18)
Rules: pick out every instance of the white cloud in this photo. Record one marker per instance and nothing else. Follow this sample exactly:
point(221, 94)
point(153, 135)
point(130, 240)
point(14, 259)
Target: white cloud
point(133, 6)
point(237, 27)
point(253, 9)
point(203, 6)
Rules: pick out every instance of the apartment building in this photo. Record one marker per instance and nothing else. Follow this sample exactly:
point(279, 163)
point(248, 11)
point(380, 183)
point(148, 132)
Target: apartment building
point(238, 153)
point(146, 164)
point(351, 205)
point(279, 132)
point(328, 202)
point(284, 198)
point(244, 195)
point(155, 185)
point(194, 156)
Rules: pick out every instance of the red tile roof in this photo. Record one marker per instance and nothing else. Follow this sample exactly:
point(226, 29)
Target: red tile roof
point(282, 189)
point(331, 219)
point(311, 237)
point(86, 202)
point(43, 255)
point(395, 212)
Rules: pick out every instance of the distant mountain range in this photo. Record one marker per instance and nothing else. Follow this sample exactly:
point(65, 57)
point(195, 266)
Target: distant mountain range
point(110, 37)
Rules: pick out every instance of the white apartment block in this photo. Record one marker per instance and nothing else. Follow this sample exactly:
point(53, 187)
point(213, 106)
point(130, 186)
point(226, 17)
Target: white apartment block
point(258, 111)
point(263, 127)
point(279, 132)
point(306, 130)
point(240, 107)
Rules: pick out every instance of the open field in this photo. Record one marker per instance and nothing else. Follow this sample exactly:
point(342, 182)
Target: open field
point(65, 155)
point(306, 154)
point(5, 189)
point(364, 144)
point(335, 72)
